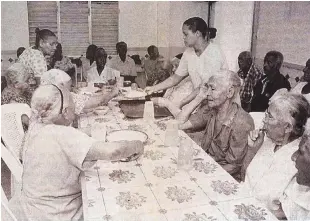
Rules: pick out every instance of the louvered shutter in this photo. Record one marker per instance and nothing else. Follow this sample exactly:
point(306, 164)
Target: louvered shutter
point(41, 15)
point(105, 25)
point(74, 29)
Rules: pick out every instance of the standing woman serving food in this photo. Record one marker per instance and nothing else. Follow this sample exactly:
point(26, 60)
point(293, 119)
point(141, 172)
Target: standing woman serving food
point(35, 57)
point(201, 59)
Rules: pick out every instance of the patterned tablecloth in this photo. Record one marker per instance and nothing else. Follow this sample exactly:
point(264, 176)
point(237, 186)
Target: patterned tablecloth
point(153, 189)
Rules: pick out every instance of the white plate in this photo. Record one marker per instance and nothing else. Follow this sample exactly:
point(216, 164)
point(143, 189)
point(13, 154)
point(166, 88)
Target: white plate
point(88, 90)
point(127, 135)
point(135, 94)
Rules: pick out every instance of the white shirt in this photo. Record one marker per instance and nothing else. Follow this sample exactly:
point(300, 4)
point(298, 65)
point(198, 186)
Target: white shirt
point(270, 172)
point(127, 68)
point(53, 160)
point(296, 202)
point(106, 75)
point(298, 88)
point(201, 68)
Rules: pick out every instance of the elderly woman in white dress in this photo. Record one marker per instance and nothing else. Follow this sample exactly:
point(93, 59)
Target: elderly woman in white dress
point(270, 171)
point(54, 155)
point(82, 102)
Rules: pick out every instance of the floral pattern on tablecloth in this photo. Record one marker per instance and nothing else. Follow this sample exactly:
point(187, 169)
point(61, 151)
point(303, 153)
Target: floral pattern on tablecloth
point(198, 217)
point(130, 200)
point(179, 194)
point(225, 187)
point(121, 176)
point(137, 127)
point(102, 120)
point(161, 125)
point(205, 167)
point(164, 172)
point(153, 155)
point(250, 212)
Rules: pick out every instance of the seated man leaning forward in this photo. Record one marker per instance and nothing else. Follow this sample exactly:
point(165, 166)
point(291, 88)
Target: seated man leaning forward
point(226, 125)
point(101, 73)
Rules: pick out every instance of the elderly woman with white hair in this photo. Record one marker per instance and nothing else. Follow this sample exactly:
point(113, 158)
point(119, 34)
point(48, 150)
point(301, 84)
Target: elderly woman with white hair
point(226, 125)
point(54, 155)
point(82, 102)
point(271, 169)
point(17, 90)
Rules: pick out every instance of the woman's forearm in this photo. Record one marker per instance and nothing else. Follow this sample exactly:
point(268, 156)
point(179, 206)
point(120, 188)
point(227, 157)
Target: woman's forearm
point(168, 83)
point(111, 151)
point(189, 98)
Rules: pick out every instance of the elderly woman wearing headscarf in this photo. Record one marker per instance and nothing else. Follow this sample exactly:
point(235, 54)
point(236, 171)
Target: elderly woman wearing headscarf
point(54, 155)
point(270, 171)
point(17, 90)
point(82, 102)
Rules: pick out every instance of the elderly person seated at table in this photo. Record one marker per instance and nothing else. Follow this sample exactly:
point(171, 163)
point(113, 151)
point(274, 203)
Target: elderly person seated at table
point(269, 83)
point(271, 169)
point(154, 67)
point(100, 73)
point(295, 201)
point(17, 90)
point(303, 87)
point(123, 63)
point(226, 125)
point(82, 102)
point(88, 60)
point(54, 155)
point(250, 74)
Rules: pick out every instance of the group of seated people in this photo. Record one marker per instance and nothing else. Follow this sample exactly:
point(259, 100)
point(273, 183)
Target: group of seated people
point(271, 161)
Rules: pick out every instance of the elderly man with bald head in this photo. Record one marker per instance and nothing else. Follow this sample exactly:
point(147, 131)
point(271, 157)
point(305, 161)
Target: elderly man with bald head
point(250, 75)
point(226, 125)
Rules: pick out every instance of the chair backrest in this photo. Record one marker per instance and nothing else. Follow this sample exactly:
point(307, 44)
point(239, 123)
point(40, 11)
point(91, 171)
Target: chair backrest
point(6, 213)
point(12, 131)
point(13, 164)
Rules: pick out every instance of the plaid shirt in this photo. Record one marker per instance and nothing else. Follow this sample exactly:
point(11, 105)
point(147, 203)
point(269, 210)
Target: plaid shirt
point(249, 81)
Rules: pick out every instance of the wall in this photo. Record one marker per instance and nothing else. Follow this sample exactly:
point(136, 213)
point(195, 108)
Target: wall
point(14, 31)
point(14, 25)
point(233, 21)
point(157, 23)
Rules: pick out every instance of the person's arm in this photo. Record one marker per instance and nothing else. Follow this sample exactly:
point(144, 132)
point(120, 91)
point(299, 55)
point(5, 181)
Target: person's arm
point(238, 144)
point(100, 98)
point(198, 120)
point(189, 98)
point(114, 151)
point(186, 111)
point(173, 80)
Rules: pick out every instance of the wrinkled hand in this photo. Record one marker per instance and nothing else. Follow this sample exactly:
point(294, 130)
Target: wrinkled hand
point(256, 138)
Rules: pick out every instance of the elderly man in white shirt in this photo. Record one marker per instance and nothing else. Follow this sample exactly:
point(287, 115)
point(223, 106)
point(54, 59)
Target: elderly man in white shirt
point(100, 73)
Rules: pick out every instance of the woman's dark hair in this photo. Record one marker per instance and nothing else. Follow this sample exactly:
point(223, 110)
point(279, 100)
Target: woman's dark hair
point(197, 24)
point(57, 55)
point(212, 32)
point(179, 56)
point(42, 35)
point(19, 51)
point(90, 53)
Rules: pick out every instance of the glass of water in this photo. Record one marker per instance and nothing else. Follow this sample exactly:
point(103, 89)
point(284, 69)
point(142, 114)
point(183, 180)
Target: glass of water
point(172, 133)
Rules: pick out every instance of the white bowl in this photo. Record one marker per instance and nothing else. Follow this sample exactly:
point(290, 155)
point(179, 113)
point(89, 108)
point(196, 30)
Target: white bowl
point(127, 135)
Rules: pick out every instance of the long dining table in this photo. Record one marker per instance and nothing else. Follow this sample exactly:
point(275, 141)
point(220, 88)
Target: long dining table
point(152, 188)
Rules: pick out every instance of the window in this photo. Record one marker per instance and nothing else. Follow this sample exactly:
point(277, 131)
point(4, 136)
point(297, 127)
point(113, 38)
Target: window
point(77, 24)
